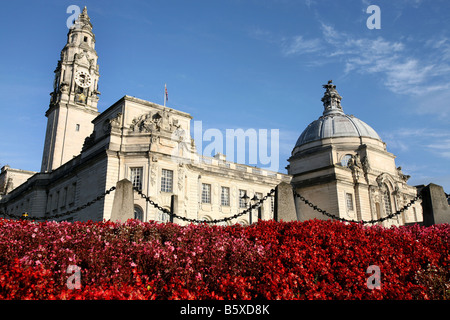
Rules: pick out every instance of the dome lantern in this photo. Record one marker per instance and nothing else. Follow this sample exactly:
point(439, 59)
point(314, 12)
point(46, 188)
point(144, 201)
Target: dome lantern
point(331, 99)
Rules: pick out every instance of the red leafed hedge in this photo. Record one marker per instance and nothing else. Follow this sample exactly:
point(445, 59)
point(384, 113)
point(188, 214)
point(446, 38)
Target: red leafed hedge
point(269, 260)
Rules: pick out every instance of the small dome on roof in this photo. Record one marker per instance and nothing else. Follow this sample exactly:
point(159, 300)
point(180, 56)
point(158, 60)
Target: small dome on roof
point(334, 122)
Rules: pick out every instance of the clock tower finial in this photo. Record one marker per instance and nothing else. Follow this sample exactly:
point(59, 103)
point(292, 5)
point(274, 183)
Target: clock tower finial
point(84, 18)
point(73, 102)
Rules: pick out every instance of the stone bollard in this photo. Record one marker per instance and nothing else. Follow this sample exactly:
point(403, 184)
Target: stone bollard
point(284, 203)
point(436, 208)
point(173, 206)
point(123, 205)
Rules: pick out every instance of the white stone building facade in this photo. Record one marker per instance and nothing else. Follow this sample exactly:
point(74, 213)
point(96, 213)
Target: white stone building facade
point(339, 162)
point(87, 152)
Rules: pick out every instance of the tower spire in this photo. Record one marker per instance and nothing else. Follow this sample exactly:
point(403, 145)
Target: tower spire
point(73, 102)
point(84, 18)
point(82, 21)
point(331, 99)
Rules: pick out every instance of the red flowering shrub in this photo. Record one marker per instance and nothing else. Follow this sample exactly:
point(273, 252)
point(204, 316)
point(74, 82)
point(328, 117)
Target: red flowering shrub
point(271, 260)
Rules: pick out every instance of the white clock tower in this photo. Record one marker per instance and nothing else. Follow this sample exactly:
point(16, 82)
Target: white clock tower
point(73, 102)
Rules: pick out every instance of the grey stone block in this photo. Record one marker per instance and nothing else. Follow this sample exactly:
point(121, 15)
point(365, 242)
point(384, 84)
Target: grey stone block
point(435, 205)
point(284, 203)
point(123, 205)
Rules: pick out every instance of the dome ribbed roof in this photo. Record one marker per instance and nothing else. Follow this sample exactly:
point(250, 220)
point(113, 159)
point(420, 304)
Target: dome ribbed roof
point(334, 122)
point(332, 126)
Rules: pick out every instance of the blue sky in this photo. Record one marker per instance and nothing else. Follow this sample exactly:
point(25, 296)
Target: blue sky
point(245, 64)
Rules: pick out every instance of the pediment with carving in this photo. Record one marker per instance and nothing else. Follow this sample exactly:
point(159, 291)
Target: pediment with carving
point(152, 122)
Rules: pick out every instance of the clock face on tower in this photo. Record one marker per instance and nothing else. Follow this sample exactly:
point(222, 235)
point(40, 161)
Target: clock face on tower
point(83, 79)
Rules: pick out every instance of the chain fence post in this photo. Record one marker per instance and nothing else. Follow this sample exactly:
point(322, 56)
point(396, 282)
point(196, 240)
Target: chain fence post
point(284, 206)
point(173, 206)
point(123, 203)
point(435, 206)
point(275, 205)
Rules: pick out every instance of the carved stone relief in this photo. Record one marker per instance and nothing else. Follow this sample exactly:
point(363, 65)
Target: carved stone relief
point(365, 164)
point(181, 172)
point(89, 141)
point(154, 122)
point(153, 170)
point(144, 123)
point(115, 122)
point(402, 176)
point(354, 163)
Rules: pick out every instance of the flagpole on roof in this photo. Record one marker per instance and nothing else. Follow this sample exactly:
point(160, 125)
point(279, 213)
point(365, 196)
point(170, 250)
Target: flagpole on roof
point(165, 94)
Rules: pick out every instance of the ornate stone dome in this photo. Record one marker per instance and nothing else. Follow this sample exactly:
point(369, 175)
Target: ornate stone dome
point(334, 122)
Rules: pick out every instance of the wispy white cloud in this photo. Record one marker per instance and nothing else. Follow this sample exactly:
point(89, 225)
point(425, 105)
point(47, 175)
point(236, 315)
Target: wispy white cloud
point(416, 144)
point(419, 68)
point(441, 147)
point(436, 141)
point(398, 68)
point(421, 132)
point(299, 45)
point(435, 104)
point(401, 71)
point(309, 3)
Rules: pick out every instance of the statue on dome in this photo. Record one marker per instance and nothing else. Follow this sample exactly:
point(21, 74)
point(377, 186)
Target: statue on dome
point(331, 98)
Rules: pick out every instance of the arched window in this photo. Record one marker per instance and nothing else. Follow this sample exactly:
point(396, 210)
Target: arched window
point(206, 218)
point(387, 201)
point(138, 213)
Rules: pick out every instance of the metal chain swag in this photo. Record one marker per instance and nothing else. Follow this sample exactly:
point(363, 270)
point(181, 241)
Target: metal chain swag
point(226, 219)
point(389, 216)
point(60, 215)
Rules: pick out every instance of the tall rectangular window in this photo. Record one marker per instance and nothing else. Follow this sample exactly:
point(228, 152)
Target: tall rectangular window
point(55, 201)
point(225, 196)
point(349, 201)
point(72, 194)
point(206, 193)
point(136, 177)
point(387, 202)
point(242, 203)
point(49, 203)
point(166, 180)
point(63, 197)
